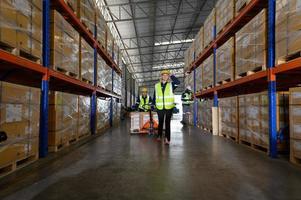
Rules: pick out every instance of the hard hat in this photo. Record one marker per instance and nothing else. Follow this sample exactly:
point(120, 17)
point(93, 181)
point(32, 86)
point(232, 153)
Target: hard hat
point(188, 87)
point(165, 71)
point(144, 89)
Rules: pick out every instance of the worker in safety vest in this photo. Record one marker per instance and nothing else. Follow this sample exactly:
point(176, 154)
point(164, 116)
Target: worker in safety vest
point(187, 101)
point(164, 100)
point(143, 101)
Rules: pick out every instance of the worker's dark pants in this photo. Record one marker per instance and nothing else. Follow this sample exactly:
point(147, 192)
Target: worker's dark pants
point(167, 114)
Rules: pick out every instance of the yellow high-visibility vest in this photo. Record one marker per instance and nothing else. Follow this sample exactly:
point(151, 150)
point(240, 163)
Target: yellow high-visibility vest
point(144, 105)
point(164, 100)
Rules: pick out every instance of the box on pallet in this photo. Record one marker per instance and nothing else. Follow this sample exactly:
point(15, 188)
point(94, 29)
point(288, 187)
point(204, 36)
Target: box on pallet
point(254, 120)
point(225, 12)
point(225, 62)
point(101, 72)
point(108, 77)
point(64, 46)
point(21, 28)
point(87, 62)
point(102, 114)
point(288, 30)
point(251, 46)
point(84, 109)
point(110, 42)
point(63, 119)
point(229, 120)
point(87, 13)
point(186, 59)
point(209, 28)
point(101, 27)
point(240, 4)
point(199, 42)
point(207, 76)
point(135, 121)
point(199, 78)
point(205, 114)
point(19, 120)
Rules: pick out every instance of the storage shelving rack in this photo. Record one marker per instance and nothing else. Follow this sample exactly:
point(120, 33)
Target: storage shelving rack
point(280, 77)
point(18, 70)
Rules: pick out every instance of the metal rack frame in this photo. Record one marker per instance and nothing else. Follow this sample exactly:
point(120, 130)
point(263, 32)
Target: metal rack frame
point(260, 81)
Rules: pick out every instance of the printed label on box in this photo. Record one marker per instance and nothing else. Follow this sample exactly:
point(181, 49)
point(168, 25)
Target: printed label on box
point(13, 113)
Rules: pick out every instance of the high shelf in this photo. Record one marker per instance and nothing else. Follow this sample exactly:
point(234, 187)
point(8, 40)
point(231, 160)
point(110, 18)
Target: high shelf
point(280, 77)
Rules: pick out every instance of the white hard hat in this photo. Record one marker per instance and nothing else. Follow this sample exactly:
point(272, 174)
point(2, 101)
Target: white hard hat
point(188, 87)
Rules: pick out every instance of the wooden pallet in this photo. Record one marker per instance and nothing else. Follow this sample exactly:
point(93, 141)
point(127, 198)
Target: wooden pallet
point(207, 88)
point(223, 29)
point(250, 72)
point(19, 52)
point(287, 58)
point(255, 147)
point(18, 164)
point(63, 71)
point(87, 81)
point(295, 160)
point(80, 137)
point(224, 82)
point(235, 139)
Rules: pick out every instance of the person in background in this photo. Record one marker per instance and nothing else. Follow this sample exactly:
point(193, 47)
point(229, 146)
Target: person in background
point(187, 101)
point(144, 101)
point(164, 100)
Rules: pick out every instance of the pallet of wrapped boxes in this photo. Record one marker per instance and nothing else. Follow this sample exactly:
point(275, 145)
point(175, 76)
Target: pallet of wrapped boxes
point(207, 71)
point(199, 78)
point(288, 30)
point(86, 62)
point(21, 28)
point(101, 28)
point(84, 109)
point(205, 114)
point(225, 12)
point(64, 46)
point(87, 13)
point(254, 121)
point(295, 125)
point(228, 118)
point(103, 106)
point(19, 127)
point(251, 46)
point(209, 25)
point(199, 42)
point(225, 62)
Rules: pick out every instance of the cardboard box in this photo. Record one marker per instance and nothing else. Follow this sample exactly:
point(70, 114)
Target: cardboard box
point(209, 24)
point(199, 42)
point(207, 76)
point(225, 12)
point(135, 121)
point(84, 115)
point(87, 13)
point(87, 61)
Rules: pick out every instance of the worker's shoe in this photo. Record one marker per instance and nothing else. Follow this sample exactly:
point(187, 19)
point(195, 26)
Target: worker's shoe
point(166, 141)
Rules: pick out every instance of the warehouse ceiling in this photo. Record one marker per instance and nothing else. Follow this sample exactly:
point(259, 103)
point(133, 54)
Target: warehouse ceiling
point(155, 34)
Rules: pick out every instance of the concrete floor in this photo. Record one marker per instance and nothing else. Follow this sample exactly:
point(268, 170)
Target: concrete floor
point(119, 166)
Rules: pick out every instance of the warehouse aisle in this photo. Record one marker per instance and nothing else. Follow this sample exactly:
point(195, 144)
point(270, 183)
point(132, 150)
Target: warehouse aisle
point(195, 166)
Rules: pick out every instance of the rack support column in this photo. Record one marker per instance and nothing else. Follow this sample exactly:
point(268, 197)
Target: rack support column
point(93, 96)
point(195, 103)
point(111, 105)
point(215, 109)
point(272, 79)
point(44, 107)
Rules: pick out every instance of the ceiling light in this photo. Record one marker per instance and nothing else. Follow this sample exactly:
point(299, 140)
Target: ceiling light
point(174, 42)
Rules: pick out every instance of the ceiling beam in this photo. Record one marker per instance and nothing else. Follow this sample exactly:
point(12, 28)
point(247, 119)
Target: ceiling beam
point(157, 70)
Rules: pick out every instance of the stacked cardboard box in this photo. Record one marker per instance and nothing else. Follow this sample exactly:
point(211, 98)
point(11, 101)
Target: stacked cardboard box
point(63, 119)
point(101, 27)
point(21, 26)
point(101, 72)
point(135, 121)
point(116, 51)
point(186, 60)
point(198, 80)
point(209, 28)
point(225, 61)
point(191, 55)
point(295, 125)
point(19, 120)
point(110, 43)
point(254, 119)
point(102, 114)
point(240, 4)
point(199, 42)
point(205, 114)
point(84, 109)
point(117, 83)
point(288, 29)
point(88, 13)
point(225, 12)
point(251, 45)
point(228, 108)
point(208, 72)
point(64, 45)
point(108, 77)
point(87, 61)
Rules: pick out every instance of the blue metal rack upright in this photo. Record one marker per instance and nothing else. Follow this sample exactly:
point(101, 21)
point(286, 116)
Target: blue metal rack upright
point(43, 150)
point(93, 96)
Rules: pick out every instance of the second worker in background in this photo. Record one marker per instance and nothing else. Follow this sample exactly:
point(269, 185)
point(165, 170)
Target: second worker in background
point(164, 100)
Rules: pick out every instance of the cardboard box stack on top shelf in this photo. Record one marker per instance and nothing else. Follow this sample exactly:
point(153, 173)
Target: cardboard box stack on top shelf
point(288, 30)
point(295, 125)
point(207, 76)
point(19, 121)
point(199, 42)
point(87, 62)
point(209, 24)
point(229, 120)
point(254, 120)
point(251, 46)
point(101, 27)
point(225, 62)
point(21, 28)
point(225, 12)
point(64, 46)
point(63, 120)
point(87, 14)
